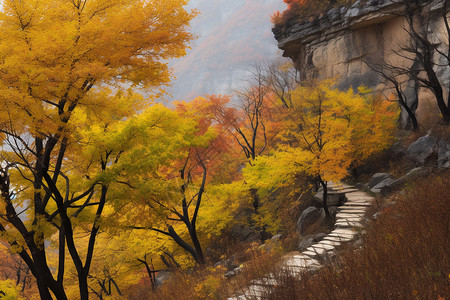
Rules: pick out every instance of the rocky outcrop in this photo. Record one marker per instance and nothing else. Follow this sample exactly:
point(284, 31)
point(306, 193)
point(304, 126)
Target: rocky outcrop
point(310, 220)
point(343, 41)
point(443, 154)
point(377, 178)
point(421, 150)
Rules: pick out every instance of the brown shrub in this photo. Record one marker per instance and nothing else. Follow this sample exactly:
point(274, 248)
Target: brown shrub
point(405, 254)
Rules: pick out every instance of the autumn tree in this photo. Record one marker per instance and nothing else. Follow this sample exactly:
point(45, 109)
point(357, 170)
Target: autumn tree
point(221, 155)
point(327, 132)
point(159, 186)
point(57, 58)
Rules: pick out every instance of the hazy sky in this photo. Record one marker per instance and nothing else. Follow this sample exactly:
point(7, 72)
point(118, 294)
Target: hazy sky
point(232, 35)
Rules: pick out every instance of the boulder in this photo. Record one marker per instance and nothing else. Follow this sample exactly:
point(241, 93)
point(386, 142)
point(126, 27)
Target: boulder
point(422, 149)
point(379, 187)
point(333, 210)
point(228, 264)
point(443, 154)
point(245, 234)
point(397, 150)
point(310, 220)
point(233, 273)
point(310, 240)
point(333, 198)
point(388, 185)
point(361, 186)
point(276, 238)
point(161, 277)
point(377, 178)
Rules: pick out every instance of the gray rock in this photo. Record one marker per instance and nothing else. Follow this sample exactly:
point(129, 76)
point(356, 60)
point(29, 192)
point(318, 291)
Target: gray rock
point(422, 149)
point(379, 187)
point(276, 237)
point(233, 273)
point(161, 277)
point(397, 149)
point(334, 14)
point(377, 178)
point(245, 234)
point(310, 220)
point(309, 240)
point(333, 210)
point(305, 243)
point(227, 263)
point(396, 184)
point(333, 198)
point(443, 154)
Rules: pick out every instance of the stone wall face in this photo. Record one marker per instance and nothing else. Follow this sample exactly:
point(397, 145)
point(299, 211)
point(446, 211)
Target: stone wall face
point(341, 43)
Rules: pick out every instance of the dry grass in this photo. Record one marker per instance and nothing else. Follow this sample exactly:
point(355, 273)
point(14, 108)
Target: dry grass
point(210, 282)
point(405, 254)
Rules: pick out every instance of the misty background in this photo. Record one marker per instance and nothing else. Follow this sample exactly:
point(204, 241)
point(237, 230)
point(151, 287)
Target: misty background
point(233, 36)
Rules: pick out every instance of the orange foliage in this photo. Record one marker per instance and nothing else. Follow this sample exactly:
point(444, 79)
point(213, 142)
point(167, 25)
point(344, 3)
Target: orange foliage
point(220, 156)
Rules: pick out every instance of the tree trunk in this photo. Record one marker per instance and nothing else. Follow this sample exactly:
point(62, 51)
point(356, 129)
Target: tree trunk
point(325, 198)
point(197, 246)
point(44, 293)
point(83, 286)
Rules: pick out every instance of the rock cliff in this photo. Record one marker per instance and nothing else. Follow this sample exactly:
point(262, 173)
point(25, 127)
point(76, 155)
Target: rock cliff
point(342, 42)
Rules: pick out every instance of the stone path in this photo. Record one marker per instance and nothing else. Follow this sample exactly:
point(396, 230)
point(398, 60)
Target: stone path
point(348, 219)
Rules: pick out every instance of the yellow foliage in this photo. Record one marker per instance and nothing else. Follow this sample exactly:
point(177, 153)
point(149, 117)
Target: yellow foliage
point(327, 131)
point(9, 290)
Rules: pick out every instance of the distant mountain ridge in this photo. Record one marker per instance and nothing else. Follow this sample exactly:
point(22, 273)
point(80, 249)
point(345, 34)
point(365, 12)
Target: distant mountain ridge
point(233, 35)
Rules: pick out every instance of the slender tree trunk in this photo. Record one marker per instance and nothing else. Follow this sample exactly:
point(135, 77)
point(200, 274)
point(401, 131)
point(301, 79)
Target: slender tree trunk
point(197, 246)
point(325, 199)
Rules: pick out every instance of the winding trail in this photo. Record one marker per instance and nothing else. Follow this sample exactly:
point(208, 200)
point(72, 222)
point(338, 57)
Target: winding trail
point(348, 222)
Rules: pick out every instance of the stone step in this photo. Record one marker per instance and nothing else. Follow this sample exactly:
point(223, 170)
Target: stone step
point(358, 193)
point(352, 211)
point(311, 254)
point(356, 203)
point(341, 239)
point(344, 190)
point(265, 281)
point(318, 251)
point(359, 220)
point(330, 242)
point(342, 235)
point(354, 208)
point(302, 261)
point(350, 196)
point(345, 231)
point(348, 224)
point(240, 297)
point(323, 246)
point(257, 291)
point(349, 215)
